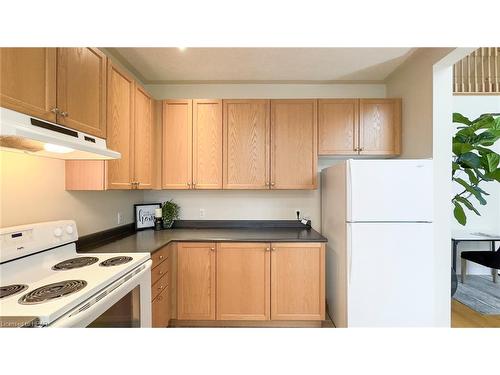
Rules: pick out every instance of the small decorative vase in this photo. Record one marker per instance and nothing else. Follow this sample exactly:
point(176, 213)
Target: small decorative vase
point(167, 224)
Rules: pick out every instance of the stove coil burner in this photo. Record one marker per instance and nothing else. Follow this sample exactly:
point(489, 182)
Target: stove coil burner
point(70, 264)
point(9, 290)
point(115, 261)
point(52, 291)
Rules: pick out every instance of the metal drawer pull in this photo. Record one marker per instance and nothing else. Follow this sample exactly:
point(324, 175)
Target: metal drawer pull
point(161, 256)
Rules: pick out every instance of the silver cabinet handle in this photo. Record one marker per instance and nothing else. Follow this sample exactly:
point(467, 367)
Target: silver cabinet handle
point(64, 114)
point(212, 248)
point(267, 249)
point(55, 110)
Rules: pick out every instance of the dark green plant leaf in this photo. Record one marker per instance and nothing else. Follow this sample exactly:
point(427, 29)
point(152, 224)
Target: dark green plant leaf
point(457, 117)
point(472, 176)
point(483, 122)
point(470, 159)
point(459, 214)
point(467, 204)
point(495, 175)
point(471, 189)
point(461, 148)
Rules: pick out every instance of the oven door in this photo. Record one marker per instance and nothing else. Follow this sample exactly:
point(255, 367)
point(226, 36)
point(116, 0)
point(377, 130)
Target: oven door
point(125, 303)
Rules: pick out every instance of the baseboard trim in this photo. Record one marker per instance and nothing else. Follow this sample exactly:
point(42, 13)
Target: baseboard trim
point(245, 323)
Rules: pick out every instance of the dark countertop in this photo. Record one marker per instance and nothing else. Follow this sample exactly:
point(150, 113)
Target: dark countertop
point(150, 240)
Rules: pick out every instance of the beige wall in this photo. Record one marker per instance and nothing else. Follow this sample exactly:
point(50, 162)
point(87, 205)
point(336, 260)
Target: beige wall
point(412, 81)
point(244, 205)
point(265, 91)
point(32, 190)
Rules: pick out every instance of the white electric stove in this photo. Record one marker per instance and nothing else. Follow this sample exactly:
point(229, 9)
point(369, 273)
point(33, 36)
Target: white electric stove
point(43, 278)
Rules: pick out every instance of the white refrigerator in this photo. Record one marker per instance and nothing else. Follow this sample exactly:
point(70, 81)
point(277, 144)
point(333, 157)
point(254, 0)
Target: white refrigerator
point(377, 216)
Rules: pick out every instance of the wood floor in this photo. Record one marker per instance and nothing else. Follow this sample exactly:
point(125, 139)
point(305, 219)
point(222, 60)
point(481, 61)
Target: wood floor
point(464, 317)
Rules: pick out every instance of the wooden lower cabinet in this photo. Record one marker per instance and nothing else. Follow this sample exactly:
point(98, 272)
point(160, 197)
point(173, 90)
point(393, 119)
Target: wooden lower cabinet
point(297, 281)
point(247, 283)
point(196, 281)
point(160, 287)
point(160, 308)
point(243, 281)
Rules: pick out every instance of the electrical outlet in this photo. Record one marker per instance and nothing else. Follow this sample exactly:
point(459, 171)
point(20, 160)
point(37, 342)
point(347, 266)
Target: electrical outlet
point(202, 212)
point(119, 217)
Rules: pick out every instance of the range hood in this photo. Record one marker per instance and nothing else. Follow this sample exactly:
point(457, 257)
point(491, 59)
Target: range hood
point(23, 133)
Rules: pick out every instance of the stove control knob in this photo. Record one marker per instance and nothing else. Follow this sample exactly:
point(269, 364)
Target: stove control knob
point(69, 229)
point(58, 232)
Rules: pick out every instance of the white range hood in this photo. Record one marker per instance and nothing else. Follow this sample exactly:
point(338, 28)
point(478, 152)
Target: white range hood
point(20, 132)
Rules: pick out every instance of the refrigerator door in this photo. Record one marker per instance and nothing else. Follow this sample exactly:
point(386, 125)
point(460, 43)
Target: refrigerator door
point(390, 275)
point(389, 190)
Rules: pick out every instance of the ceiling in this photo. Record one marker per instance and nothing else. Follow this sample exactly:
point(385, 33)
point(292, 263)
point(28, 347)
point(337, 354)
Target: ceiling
point(210, 65)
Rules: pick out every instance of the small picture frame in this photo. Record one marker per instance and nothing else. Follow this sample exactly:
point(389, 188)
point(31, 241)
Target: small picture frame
point(144, 215)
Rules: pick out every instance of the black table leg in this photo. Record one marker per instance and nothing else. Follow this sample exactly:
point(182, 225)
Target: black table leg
point(455, 246)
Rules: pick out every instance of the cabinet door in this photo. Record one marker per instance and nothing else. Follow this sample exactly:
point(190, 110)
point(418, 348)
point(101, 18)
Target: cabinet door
point(120, 128)
point(246, 144)
point(293, 144)
point(338, 126)
point(28, 81)
point(143, 139)
point(177, 144)
point(196, 281)
point(380, 126)
point(297, 281)
point(160, 309)
point(81, 89)
point(243, 281)
point(207, 144)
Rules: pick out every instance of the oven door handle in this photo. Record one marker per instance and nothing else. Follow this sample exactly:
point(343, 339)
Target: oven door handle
point(84, 314)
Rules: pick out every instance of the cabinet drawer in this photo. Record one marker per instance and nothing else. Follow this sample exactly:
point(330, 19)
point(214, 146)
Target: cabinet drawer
point(159, 286)
point(160, 308)
point(159, 256)
point(159, 272)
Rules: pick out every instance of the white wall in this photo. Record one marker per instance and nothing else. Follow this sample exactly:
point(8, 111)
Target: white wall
point(489, 221)
point(32, 190)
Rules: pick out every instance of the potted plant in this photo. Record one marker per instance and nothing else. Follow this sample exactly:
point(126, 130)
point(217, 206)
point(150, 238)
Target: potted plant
point(170, 212)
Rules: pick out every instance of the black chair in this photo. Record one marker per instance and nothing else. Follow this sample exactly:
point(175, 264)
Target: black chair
point(489, 259)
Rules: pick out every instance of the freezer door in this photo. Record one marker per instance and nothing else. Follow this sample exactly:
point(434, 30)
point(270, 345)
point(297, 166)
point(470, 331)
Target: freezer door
point(390, 275)
point(389, 190)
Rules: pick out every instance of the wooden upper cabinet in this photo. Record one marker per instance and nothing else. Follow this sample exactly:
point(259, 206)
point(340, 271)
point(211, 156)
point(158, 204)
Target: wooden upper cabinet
point(297, 281)
point(120, 123)
point(246, 156)
point(177, 144)
point(294, 144)
point(81, 89)
point(143, 139)
point(196, 281)
point(207, 144)
point(380, 126)
point(338, 126)
point(28, 81)
point(243, 281)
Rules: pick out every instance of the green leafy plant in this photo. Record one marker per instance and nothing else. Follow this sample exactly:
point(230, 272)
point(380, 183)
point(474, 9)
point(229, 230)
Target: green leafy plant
point(474, 162)
point(170, 211)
